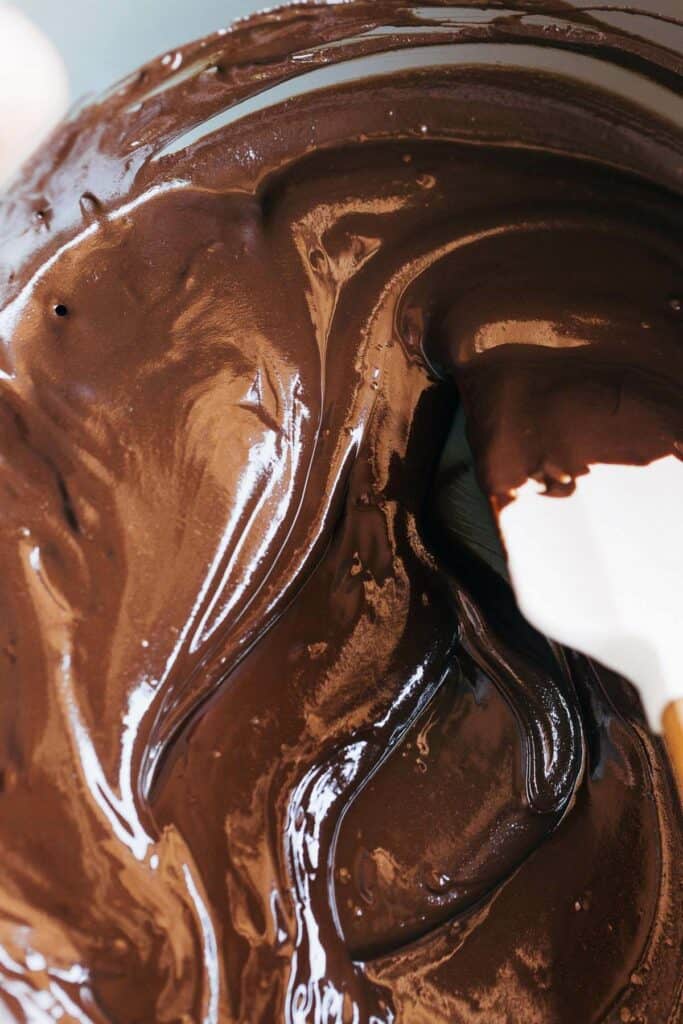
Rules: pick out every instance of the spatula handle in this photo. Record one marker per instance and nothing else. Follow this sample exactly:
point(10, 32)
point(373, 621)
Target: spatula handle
point(672, 726)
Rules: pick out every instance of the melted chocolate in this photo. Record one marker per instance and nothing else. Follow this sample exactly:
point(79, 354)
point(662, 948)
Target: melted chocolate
point(275, 742)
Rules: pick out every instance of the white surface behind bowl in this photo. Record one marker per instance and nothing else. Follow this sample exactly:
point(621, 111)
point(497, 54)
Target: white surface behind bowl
point(102, 40)
point(33, 87)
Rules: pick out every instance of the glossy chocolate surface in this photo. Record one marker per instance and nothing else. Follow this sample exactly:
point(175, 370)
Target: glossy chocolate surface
point(275, 742)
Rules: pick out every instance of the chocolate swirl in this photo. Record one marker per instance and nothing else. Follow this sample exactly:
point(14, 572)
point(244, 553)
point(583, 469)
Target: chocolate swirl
point(275, 742)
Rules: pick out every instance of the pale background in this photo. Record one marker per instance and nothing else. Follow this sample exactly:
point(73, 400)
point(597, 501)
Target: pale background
point(102, 40)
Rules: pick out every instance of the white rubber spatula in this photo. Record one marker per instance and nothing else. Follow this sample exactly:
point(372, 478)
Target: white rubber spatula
point(602, 571)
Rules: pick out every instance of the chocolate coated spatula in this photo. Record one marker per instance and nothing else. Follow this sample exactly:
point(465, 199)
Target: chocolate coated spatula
point(600, 570)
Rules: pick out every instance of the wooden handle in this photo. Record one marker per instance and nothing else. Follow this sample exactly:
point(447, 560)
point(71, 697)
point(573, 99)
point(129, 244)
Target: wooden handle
point(672, 725)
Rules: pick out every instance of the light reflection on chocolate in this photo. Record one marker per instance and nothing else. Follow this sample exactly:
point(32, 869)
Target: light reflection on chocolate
point(275, 742)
